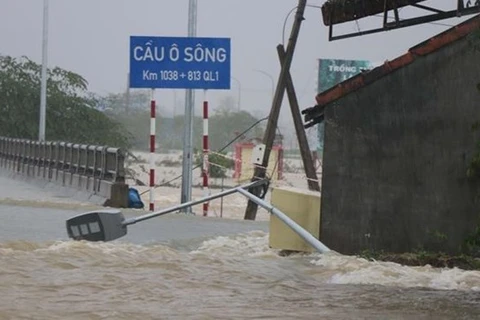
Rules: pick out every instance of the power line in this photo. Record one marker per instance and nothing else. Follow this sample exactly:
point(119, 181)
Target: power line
point(223, 148)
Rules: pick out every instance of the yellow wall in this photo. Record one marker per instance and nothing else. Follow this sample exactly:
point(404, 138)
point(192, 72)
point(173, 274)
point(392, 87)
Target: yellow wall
point(303, 207)
point(246, 173)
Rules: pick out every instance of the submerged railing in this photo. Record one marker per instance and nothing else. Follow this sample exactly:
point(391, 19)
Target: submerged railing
point(102, 162)
point(87, 167)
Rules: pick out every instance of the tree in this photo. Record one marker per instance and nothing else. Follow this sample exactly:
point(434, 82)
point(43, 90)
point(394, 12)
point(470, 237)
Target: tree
point(226, 105)
point(123, 103)
point(226, 124)
point(136, 119)
point(218, 164)
point(71, 110)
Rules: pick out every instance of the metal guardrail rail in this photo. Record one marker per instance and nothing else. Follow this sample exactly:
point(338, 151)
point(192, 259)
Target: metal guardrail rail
point(99, 162)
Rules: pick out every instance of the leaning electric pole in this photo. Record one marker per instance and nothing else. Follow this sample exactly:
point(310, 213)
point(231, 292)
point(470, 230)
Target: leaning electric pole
point(186, 195)
point(270, 131)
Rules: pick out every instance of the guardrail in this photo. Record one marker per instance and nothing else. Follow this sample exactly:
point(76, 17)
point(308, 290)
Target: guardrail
point(86, 167)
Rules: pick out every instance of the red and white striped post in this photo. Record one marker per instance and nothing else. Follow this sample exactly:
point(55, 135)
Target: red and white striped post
point(152, 150)
point(205, 152)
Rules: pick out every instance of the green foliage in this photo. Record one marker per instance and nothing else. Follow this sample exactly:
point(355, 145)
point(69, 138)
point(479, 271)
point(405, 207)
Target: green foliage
point(471, 244)
point(224, 124)
point(71, 114)
point(132, 112)
point(137, 124)
point(218, 164)
point(124, 103)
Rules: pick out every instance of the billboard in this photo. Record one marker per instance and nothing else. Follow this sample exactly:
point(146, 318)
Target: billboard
point(330, 73)
point(333, 71)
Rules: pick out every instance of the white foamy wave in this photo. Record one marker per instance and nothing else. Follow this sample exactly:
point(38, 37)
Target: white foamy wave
point(254, 243)
point(354, 270)
point(106, 250)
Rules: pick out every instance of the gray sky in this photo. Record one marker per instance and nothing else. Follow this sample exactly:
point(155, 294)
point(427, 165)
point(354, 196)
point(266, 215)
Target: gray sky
point(91, 37)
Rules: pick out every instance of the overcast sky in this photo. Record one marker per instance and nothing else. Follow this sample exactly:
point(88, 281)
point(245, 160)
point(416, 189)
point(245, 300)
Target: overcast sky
point(91, 37)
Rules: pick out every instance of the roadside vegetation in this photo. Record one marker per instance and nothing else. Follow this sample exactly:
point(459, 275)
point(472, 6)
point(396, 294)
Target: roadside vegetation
point(71, 113)
point(77, 115)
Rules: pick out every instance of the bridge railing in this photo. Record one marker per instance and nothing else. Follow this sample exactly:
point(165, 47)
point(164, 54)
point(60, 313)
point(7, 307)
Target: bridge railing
point(102, 162)
point(70, 163)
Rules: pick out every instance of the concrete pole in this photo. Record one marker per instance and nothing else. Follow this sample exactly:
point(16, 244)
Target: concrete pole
point(308, 165)
point(269, 137)
point(186, 193)
point(43, 85)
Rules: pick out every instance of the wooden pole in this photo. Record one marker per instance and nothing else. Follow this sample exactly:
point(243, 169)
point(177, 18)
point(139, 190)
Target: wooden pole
point(308, 164)
point(268, 139)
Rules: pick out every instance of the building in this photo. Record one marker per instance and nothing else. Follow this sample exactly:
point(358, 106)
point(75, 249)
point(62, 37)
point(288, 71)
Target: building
point(398, 142)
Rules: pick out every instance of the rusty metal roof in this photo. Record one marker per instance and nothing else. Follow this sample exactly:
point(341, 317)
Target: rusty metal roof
point(315, 114)
point(339, 11)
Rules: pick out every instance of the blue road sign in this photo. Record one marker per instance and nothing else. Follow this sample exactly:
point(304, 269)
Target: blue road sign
point(179, 62)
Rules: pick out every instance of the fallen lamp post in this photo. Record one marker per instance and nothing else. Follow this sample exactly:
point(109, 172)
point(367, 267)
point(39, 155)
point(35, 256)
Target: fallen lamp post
point(108, 225)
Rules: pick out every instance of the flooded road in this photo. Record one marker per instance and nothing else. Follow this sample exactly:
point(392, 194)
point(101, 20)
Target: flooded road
point(180, 267)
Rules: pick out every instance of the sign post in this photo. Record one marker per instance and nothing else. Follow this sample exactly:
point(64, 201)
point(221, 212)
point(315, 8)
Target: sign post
point(180, 63)
point(205, 161)
point(153, 130)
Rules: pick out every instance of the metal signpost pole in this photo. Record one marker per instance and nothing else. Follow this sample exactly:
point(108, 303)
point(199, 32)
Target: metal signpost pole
point(206, 164)
point(152, 150)
point(43, 89)
point(186, 192)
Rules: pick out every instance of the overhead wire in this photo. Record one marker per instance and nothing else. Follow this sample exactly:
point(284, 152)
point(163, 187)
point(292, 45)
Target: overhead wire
point(288, 16)
point(220, 150)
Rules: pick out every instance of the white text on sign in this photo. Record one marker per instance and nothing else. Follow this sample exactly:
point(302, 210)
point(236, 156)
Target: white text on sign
point(173, 75)
point(188, 54)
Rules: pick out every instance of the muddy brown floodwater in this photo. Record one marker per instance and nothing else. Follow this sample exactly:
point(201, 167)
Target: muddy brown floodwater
point(179, 267)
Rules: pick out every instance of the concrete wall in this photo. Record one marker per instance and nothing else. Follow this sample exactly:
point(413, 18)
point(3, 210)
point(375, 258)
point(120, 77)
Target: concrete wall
point(303, 207)
point(396, 155)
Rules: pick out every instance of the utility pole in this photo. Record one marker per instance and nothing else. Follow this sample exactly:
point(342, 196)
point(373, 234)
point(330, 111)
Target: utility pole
point(186, 193)
point(259, 172)
point(308, 164)
point(43, 85)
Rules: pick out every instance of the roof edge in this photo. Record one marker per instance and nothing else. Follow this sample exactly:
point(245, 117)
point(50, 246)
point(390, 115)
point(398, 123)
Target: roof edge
point(424, 48)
